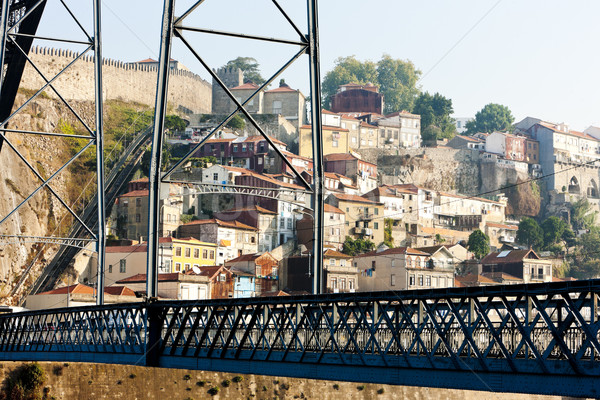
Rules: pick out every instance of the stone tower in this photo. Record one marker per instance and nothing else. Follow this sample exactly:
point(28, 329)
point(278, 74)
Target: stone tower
point(231, 77)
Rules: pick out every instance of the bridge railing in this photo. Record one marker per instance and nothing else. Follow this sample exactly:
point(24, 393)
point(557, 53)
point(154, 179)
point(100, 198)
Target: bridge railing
point(543, 329)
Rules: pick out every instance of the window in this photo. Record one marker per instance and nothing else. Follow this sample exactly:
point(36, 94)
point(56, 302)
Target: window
point(235, 148)
point(138, 217)
point(215, 176)
point(393, 280)
point(188, 252)
point(411, 280)
point(376, 224)
point(178, 251)
point(212, 254)
point(343, 283)
point(187, 267)
point(177, 267)
point(334, 283)
point(343, 263)
point(122, 266)
point(351, 284)
point(332, 261)
point(420, 280)
point(289, 223)
point(373, 265)
point(282, 222)
point(204, 253)
point(138, 202)
point(277, 107)
point(197, 253)
point(428, 280)
point(376, 211)
point(110, 269)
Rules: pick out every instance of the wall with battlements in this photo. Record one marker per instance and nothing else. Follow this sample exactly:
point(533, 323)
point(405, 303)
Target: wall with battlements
point(124, 81)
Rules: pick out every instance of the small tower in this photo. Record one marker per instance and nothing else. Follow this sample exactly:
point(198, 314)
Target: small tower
point(231, 77)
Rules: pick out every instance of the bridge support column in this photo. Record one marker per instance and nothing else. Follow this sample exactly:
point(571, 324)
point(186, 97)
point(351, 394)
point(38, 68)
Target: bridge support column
point(154, 325)
point(101, 238)
point(318, 198)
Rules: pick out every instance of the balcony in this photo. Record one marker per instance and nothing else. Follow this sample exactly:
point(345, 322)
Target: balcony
point(507, 239)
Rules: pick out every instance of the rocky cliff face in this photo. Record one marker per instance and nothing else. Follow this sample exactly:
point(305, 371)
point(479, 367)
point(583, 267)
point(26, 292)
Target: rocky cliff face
point(441, 169)
point(41, 215)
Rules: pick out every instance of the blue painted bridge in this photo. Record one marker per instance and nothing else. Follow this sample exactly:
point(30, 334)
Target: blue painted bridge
point(540, 338)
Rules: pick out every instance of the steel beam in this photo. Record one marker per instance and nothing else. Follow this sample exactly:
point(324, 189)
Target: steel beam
point(160, 108)
point(101, 235)
point(318, 204)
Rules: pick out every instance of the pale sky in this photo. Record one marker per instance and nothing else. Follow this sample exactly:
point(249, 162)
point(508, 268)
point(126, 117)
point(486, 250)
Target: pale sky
point(539, 58)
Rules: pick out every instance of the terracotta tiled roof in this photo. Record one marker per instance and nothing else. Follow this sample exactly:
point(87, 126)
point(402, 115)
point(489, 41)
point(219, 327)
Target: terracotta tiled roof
point(170, 277)
point(354, 198)
point(274, 294)
point(84, 289)
point(77, 288)
point(339, 156)
point(140, 180)
point(148, 60)
point(324, 111)
point(136, 193)
point(258, 138)
point(282, 89)
point(469, 138)
point(510, 256)
point(249, 257)
point(235, 169)
point(138, 248)
point(226, 224)
point(246, 86)
point(574, 133)
point(253, 207)
point(272, 180)
point(335, 254)
point(212, 271)
point(331, 209)
point(119, 291)
point(395, 250)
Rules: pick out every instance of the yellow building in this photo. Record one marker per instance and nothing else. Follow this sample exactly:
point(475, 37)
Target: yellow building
point(335, 140)
point(364, 217)
point(190, 252)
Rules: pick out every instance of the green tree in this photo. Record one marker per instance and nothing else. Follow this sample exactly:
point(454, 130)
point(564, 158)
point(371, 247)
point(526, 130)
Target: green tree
point(237, 122)
point(554, 229)
point(250, 68)
point(493, 117)
point(435, 111)
point(353, 247)
point(397, 80)
point(174, 123)
point(530, 233)
point(582, 216)
point(388, 238)
point(478, 244)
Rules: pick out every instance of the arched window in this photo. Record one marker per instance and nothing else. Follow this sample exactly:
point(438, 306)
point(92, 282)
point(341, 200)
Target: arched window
point(574, 185)
point(592, 190)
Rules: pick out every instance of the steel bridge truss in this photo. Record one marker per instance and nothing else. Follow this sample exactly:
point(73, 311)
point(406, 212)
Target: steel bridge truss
point(541, 338)
point(306, 43)
point(15, 44)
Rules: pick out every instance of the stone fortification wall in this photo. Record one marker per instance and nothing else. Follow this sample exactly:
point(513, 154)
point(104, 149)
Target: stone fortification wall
point(444, 169)
point(124, 81)
point(107, 381)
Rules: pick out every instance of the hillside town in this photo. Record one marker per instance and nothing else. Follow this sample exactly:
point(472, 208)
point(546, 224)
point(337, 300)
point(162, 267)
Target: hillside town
point(379, 233)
